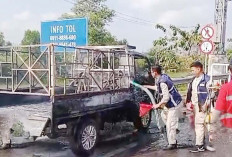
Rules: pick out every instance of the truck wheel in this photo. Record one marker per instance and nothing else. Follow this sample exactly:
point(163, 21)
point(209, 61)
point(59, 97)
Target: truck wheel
point(85, 137)
point(143, 123)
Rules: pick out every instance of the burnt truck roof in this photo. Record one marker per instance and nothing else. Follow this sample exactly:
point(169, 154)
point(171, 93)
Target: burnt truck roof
point(107, 48)
point(118, 48)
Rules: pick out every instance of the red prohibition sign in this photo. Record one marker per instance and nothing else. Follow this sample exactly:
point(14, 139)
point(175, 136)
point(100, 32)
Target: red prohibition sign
point(207, 32)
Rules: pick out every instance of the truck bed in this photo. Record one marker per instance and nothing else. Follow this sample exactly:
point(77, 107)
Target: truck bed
point(34, 111)
point(33, 116)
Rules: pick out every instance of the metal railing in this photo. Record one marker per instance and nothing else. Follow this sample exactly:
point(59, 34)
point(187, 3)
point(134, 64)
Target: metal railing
point(53, 69)
point(213, 77)
point(179, 81)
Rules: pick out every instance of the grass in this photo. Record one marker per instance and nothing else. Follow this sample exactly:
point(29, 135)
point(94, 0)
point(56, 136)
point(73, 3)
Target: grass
point(179, 74)
point(182, 88)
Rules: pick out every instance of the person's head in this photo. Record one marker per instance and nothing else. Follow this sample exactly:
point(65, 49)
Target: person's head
point(197, 68)
point(156, 70)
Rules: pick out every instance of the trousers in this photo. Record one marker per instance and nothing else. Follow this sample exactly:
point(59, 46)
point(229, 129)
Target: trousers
point(171, 118)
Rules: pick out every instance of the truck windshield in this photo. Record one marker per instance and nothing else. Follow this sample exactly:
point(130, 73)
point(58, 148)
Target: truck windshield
point(141, 66)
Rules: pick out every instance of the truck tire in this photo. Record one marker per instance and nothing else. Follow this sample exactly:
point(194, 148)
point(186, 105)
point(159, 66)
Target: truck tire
point(85, 137)
point(143, 123)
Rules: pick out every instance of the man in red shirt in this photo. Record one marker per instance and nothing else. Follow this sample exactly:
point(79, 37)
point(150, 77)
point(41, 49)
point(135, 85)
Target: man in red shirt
point(223, 108)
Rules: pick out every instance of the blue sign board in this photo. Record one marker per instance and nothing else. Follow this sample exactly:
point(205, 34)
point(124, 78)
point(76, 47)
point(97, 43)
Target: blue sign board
point(71, 32)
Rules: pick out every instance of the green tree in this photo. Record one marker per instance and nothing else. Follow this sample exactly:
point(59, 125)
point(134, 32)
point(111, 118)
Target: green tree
point(188, 39)
point(229, 54)
point(99, 16)
point(163, 56)
point(182, 40)
point(229, 51)
point(2, 39)
point(168, 50)
point(8, 43)
point(123, 42)
point(31, 37)
point(3, 42)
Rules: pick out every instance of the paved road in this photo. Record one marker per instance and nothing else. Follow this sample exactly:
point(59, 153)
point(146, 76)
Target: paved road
point(114, 143)
point(127, 144)
point(222, 144)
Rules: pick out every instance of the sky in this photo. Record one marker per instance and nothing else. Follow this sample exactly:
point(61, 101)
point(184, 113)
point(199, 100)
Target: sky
point(135, 19)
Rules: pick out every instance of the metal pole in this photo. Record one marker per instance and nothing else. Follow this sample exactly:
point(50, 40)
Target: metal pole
point(64, 86)
point(102, 70)
point(128, 64)
point(92, 80)
point(16, 74)
point(12, 72)
point(49, 69)
point(206, 59)
point(75, 58)
point(89, 81)
point(65, 70)
point(7, 83)
point(6, 56)
point(29, 70)
point(72, 69)
point(120, 79)
point(52, 69)
point(109, 62)
point(113, 71)
point(65, 55)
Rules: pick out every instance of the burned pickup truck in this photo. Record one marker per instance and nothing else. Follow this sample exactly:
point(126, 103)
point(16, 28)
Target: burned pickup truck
point(59, 91)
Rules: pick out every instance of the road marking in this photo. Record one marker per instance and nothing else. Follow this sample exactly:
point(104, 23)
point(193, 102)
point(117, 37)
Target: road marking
point(117, 137)
point(120, 150)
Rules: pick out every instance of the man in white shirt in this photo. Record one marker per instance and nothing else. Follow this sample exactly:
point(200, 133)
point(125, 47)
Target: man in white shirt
point(171, 100)
point(198, 94)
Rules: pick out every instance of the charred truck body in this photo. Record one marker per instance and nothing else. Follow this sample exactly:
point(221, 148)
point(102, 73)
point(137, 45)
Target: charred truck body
point(71, 91)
